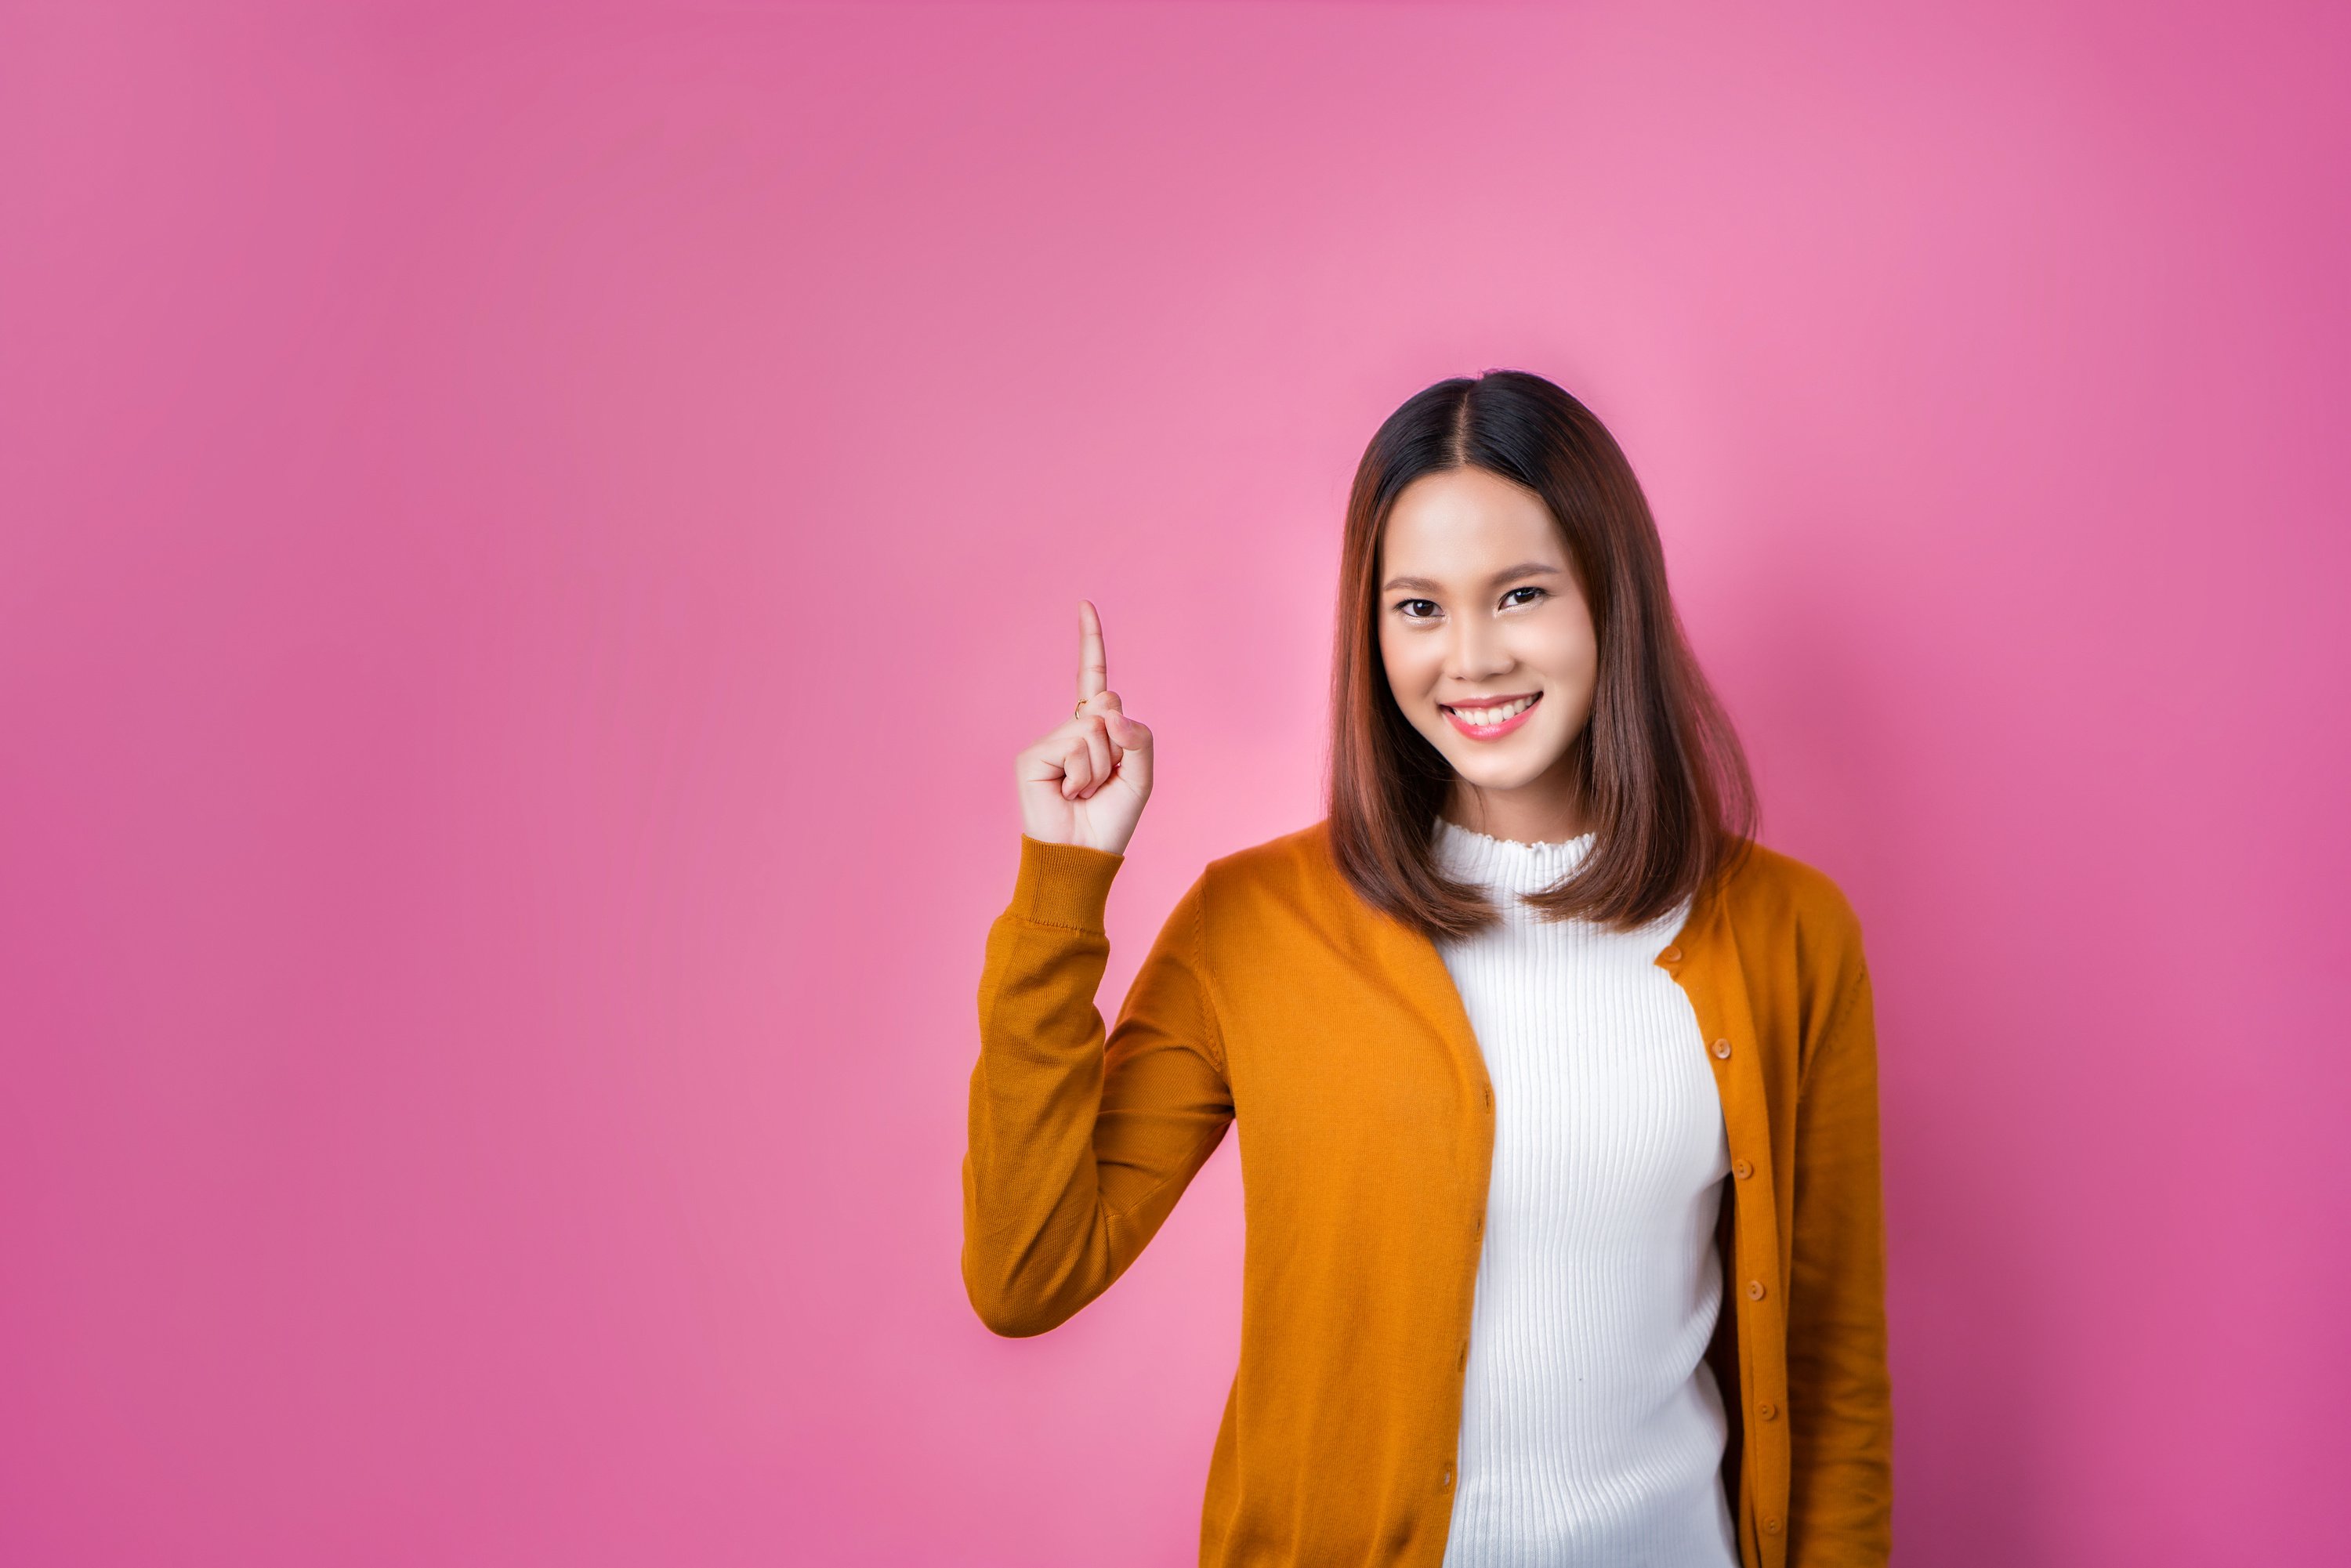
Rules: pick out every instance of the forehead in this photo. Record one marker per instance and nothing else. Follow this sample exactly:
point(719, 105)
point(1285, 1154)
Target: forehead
point(1461, 522)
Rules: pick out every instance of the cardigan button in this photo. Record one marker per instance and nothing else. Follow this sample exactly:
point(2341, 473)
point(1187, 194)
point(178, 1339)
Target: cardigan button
point(1768, 1410)
point(1670, 956)
point(1741, 1169)
point(1772, 1525)
point(1722, 1051)
point(1754, 1290)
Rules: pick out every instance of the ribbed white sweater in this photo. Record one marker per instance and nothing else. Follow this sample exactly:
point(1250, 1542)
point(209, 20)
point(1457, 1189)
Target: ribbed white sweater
point(1592, 1428)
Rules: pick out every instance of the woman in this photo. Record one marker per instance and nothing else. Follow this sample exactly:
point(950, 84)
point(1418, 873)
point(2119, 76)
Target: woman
point(1532, 1051)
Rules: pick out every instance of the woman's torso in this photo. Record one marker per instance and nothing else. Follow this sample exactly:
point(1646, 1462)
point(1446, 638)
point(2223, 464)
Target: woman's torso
point(1592, 1429)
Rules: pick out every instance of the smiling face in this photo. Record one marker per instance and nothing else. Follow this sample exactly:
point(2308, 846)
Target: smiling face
point(1489, 648)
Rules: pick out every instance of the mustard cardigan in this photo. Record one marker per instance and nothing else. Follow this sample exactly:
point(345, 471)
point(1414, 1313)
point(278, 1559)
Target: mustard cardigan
point(1276, 997)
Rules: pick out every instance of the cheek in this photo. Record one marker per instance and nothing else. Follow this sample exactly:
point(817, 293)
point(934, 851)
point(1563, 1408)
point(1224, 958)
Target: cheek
point(1410, 667)
point(1567, 654)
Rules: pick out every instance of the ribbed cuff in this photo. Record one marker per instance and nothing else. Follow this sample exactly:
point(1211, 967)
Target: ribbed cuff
point(1063, 884)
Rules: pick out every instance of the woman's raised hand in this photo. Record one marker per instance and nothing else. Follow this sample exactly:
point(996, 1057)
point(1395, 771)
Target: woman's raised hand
point(1085, 782)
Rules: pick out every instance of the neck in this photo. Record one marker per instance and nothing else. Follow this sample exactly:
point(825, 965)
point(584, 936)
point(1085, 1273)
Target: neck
point(1542, 812)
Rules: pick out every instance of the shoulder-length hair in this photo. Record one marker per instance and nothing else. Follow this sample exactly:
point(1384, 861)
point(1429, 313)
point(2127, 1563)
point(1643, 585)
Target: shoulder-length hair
point(1666, 785)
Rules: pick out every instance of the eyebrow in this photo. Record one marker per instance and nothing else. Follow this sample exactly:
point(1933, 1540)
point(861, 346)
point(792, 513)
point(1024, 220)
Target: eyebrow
point(1507, 574)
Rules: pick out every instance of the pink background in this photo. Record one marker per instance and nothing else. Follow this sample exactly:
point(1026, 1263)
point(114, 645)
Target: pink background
point(533, 534)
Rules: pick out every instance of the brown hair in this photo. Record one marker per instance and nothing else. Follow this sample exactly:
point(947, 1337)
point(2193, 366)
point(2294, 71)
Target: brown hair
point(1663, 780)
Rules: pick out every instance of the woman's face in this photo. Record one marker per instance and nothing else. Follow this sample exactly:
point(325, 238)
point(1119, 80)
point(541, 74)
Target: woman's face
point(1489, 644)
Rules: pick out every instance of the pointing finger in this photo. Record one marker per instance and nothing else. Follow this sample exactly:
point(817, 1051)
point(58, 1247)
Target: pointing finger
point(1094, 668)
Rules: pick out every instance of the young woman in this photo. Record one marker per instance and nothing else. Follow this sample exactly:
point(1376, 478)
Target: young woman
point(1534, 1054)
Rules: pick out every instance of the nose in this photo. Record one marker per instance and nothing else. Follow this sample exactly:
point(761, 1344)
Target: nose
point(1477, 652)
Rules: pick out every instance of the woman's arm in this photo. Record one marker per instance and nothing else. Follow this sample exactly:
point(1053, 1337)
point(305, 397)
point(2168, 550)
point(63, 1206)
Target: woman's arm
point(1080, 1145)
point(1840, 1405)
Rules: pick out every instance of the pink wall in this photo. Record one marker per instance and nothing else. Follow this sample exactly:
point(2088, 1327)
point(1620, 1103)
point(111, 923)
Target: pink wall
point(531, 539)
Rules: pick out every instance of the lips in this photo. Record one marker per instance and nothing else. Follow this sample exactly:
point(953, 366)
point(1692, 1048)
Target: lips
point(1491, 731)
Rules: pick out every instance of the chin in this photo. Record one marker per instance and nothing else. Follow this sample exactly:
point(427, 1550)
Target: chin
point(1488, 773)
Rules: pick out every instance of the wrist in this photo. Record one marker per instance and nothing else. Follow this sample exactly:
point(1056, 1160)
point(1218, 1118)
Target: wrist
point(1063, 884)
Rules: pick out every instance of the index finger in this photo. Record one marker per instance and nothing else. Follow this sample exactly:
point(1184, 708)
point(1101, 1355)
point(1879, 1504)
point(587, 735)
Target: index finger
point(1094, 668)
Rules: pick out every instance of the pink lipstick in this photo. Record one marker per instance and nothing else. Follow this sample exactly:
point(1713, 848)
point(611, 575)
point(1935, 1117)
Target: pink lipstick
point(1491, 731)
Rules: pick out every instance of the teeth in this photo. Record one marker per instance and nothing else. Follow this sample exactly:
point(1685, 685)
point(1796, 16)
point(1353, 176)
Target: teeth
point(1485, 716)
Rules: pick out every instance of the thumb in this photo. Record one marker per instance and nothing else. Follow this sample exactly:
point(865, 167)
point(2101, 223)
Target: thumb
point(1134, 740)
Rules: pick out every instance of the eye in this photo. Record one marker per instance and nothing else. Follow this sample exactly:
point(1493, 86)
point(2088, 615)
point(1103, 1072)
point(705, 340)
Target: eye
point(1406, 606)
point(1540, 594)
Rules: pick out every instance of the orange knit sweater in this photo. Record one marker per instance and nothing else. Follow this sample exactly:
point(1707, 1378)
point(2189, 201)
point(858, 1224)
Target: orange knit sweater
point(1275, 998)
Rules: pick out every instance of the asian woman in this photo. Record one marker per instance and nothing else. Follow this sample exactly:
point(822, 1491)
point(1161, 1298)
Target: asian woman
point(1556, 1090)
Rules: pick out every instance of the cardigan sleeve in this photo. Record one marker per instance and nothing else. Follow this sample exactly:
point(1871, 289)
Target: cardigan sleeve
point(1839, 1404)
point(1080, 1140)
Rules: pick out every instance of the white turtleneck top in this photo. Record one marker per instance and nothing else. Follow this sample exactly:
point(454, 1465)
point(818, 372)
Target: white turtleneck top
point(1592, 1428)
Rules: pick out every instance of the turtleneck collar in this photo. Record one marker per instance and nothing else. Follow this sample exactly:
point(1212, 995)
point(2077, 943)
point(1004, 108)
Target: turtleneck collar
point(1506, 863)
